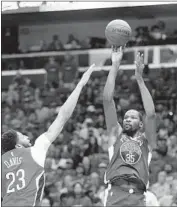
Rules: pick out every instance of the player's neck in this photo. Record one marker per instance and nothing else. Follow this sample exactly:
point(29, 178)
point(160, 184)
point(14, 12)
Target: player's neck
point(133, 133)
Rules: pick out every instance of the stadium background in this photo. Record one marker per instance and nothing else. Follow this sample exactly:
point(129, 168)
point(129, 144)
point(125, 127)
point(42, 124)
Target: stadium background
point(45, 49)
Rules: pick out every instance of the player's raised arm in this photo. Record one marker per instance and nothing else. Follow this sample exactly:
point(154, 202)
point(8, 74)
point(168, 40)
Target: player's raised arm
point(150, 121)
point(108, 94)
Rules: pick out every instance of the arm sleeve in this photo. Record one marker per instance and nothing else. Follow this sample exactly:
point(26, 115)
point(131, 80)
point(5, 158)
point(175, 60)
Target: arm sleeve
point(40, 148)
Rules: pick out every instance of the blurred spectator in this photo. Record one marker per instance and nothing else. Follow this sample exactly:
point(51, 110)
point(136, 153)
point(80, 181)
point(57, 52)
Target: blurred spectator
point(86, 43)
point(52, 68)
point(170, 199)
point(93, 145)
point(63, 199)
point(70, 199)
point(161, 188)
point(46, 202)
point(168, 168)
point(87, 166)
point(69, 70)
point(94, 179)
point(80, 198)
point(88, 129)
point(142, 36)
point(67, 182)
point(156, 33)
point(21, 65)
point(172, 145)
point(56, 44)
point(72, 43)
point(42, 112)
point(43, 45)
point(162, 28)
point(80, 174)
point(12, 95)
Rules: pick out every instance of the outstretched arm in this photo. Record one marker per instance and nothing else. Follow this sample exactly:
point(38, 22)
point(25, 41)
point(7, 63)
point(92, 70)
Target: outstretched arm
point(150, 121)
point(108, 102)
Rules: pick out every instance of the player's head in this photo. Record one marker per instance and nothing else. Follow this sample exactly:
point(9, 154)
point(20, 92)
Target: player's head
point(13, 139)
point(133, 121)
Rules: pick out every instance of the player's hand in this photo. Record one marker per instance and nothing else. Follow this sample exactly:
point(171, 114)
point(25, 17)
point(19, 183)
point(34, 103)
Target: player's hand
point(87, 75)
point(117, 54)
point(139, 66)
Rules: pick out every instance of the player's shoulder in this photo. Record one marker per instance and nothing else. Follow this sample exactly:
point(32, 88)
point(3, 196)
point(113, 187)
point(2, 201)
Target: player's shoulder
point(16, 151)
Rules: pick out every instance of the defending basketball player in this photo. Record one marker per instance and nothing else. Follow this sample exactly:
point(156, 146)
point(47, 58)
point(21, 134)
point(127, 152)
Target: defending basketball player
point(129, 147)
point(23, 166)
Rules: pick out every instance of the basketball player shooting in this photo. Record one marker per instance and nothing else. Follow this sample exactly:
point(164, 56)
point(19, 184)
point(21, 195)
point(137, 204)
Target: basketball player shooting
point(129, 147)
point(23, 166)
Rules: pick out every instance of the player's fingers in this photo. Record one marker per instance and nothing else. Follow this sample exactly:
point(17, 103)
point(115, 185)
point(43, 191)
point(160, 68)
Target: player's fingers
point(90, 69)
point(114, 49)
point(137, 55)
point(123, 48)
point(136, 63)
point(142, 56)
point(92, 66)
point(120, 49)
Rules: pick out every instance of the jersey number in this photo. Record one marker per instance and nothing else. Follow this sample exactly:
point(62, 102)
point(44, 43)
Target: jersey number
point(130, 158)
point(20, 176)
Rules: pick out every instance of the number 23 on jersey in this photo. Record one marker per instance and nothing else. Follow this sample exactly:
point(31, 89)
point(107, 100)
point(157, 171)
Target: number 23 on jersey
point(17, 180)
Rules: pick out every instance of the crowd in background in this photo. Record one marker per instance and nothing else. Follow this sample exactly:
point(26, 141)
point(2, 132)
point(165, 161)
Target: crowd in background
point(156, 35)
point(77, 160)
point(144, 35)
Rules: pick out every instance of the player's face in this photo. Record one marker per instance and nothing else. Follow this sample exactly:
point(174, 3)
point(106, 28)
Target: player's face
point(131, 121)
point(23, 140)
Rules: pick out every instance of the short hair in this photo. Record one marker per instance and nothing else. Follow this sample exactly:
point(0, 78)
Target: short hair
point(139, 114)
point(9, 140)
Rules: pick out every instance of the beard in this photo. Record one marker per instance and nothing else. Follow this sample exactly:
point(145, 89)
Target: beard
point(129, 130)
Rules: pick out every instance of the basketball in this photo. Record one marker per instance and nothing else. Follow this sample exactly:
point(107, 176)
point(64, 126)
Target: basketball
point(118, 32)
